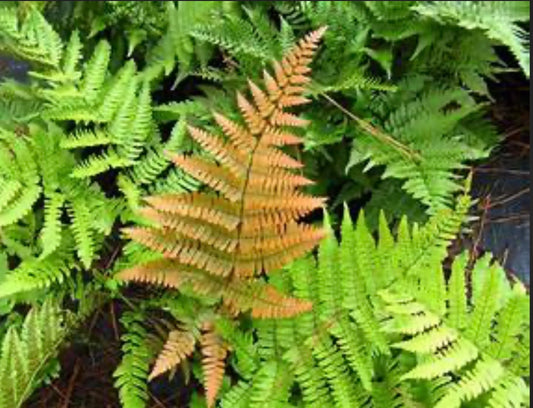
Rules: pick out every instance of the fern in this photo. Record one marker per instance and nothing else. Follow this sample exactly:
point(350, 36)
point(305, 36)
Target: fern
point(366, 323)
point(412, 338)
point(27, 352)
point(242, 190)
point(177, 44)
point(48, 167)
point(497, 18)
point(32, 39)
point(132, 372)
point(22, 364)
point(452, 349)
point(423, 126)
point(36, 273)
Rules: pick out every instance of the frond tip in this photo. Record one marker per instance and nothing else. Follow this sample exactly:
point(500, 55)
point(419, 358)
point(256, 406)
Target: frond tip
point(179, 345)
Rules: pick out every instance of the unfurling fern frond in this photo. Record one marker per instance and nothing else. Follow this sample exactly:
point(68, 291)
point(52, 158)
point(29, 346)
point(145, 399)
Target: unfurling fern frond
point(215, 242)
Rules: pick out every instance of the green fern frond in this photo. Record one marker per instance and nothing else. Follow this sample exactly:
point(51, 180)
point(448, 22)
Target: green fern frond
point(344, 390)
point(131, 376)
point(72, 56)
point(97, 164)
point(483, 377)
point(85, 138)
point(457, 293)
point(357, 264)
point(51, 232)
point(497, 18)
point(311, 378)
point(20, 205)
point(81, 217)
point(118, 91)
point(32, 39)
point(95, 71)
point(37, 273)
point(271, 386)
point(512, 320)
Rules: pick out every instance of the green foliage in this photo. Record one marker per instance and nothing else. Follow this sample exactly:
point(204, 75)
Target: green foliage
point(398, 112)
point(430, 129)
point(28, 352)
point(132, 372)
point(498, 19)
point(387, 327)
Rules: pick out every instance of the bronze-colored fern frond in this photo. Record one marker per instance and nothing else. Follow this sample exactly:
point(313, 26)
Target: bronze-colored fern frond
point(214, 352)
point(179, 345)
point(247, 225)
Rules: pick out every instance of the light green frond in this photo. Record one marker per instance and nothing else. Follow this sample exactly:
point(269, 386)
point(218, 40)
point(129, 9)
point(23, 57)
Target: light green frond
point(511, 322)
point(352, 342)
point(357, 268)
point(327, 264)
point(238, 396)
point(271, 386)
point(510, 392)
point(344, 390)
point(10, 189)
point(457, 309)
point(72, 56)
point(131, 375)
point(32, 39)
point(37, 273)
point(81, 219)
point(457, 355)
point(429, 341)
point(480, 379)
point(51, 232)
point(97, 164)
point(311, 378)
point(485, 307)
point(86, 138)
point(20, 206)
point(95, 71)
point(118, 91)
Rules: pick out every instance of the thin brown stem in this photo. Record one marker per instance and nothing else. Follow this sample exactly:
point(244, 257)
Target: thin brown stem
point(71, 383)
point(509, 198)
point(377, 133)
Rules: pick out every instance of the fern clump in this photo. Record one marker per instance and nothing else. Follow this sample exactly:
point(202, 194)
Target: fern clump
point(389, 329)
point(113, 170)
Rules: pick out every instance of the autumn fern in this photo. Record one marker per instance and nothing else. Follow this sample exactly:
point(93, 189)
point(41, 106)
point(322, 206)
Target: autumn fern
point(216, 242)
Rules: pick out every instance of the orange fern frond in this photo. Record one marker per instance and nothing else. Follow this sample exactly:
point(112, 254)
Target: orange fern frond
point(247, 225)
point(179, 345)
point(214, 352)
